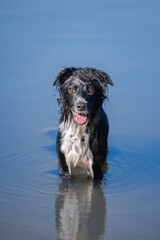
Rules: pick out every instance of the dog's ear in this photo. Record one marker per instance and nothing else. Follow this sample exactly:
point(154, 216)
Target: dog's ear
point(103, 78)
point(62, 76)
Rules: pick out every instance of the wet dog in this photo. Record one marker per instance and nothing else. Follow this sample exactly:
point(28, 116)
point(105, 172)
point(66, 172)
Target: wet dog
point(83, 130)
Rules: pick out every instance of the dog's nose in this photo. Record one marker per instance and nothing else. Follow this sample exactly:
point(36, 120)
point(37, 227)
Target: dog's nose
point(81, 106)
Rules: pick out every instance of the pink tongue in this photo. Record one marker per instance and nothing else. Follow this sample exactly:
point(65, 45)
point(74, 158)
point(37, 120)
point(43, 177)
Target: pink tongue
point(79, 118)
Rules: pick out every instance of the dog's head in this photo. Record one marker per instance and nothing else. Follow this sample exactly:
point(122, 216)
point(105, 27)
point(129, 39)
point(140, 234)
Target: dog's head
point(82, 92)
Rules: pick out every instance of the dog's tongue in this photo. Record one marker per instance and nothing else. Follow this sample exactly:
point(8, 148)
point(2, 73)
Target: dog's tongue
point(79, 118)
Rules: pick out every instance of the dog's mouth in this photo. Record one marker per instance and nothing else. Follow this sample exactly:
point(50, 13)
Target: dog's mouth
point(81, 120)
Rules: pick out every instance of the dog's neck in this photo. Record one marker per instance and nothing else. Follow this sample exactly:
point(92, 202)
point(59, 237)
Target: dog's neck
point(75, 146)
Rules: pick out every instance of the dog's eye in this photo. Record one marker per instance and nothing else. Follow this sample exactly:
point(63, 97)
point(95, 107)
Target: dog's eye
point(91, 90)
point(72, 90)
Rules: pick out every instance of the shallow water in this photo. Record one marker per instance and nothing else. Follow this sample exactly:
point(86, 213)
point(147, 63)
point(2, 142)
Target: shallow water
point(38, 39)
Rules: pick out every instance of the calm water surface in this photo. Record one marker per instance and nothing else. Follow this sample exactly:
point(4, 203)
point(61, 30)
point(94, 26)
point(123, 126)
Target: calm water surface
point(38, 39)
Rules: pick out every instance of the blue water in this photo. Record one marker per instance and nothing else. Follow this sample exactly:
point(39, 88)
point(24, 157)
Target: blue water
point(38, 39)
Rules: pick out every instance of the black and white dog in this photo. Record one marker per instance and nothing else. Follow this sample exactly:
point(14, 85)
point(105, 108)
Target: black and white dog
point(83, 129)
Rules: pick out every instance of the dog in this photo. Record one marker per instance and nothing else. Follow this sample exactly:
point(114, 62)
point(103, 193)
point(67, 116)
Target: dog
point(83, 129)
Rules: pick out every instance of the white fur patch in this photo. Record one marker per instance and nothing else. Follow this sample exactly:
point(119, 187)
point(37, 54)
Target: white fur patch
point(75, 146)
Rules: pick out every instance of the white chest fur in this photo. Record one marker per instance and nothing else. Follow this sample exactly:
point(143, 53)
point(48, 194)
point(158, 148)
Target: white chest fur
point(75, 146)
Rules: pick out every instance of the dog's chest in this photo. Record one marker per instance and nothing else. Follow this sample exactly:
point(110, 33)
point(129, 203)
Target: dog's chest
point(75, 146)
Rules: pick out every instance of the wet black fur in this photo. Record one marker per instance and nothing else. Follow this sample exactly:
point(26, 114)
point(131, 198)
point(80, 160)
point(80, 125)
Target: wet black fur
point(97, 122)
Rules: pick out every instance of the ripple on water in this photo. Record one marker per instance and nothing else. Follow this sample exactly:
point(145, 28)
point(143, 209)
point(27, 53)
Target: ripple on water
point(50, 185)
point(132, 166)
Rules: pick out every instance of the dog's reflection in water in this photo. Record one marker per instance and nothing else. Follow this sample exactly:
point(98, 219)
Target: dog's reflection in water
point(80, 210)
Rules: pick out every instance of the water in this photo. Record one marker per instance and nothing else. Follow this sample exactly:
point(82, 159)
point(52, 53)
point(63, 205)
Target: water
point(38, 39)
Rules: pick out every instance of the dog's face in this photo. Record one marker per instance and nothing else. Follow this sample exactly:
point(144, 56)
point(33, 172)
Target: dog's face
point(82, 91)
